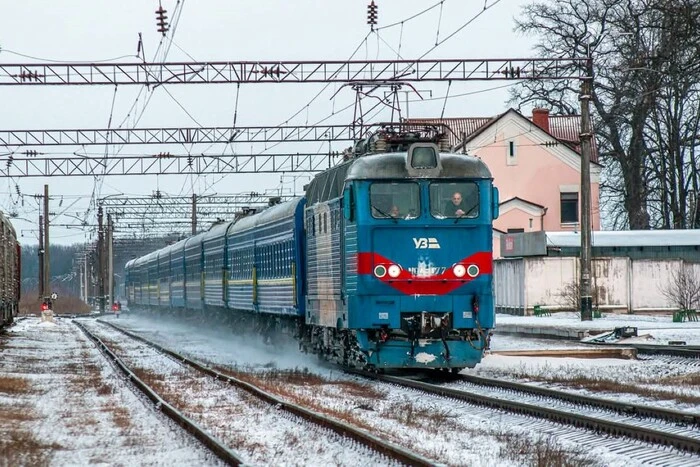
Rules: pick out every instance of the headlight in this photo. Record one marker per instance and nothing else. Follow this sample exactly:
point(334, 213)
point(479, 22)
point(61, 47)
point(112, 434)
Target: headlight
point(473, 270)
point(380, 271)
point(394, 270)
point(459, 270)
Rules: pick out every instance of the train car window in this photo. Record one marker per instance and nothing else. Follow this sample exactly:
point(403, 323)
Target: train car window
point(454, 200)
point(397, 200)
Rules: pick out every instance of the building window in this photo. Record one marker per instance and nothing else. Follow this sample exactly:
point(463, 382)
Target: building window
point(511, 155)
point(569, 208)
point(511, 231)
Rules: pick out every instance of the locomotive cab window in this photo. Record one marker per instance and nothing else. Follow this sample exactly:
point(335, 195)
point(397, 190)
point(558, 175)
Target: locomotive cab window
point(399, 200)
point(454, 200)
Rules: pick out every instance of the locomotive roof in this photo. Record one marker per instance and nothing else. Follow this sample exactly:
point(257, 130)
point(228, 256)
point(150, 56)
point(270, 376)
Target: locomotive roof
point(393, 165)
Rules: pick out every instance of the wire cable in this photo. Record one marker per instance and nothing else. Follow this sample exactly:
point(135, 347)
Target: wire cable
point(420, 13)
point(49, 60)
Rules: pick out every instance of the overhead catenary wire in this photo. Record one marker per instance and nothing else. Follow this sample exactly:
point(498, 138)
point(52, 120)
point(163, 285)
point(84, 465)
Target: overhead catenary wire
point(406, 20)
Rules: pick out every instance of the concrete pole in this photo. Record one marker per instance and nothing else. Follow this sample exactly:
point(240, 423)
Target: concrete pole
point(47, 252)
point(100, 261)
point(586, 149)
point(194, 214)
point(110, 260)
point(41, 257)
point(87, 279)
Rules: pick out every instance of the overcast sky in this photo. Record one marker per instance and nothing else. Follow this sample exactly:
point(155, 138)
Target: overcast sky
point(73, 30)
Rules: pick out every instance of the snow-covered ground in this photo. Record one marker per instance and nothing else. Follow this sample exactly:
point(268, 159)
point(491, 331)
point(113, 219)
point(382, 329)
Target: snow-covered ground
point(383, 407)
point(660, 328)
point(61, 403)
point(258, 431)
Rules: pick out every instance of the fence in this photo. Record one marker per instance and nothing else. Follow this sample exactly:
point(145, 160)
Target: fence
point(620, 284)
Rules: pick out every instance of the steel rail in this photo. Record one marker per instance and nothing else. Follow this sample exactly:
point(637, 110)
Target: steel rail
point(384, 447)
point(213, 444)
point(647, 435)
point(626, 408)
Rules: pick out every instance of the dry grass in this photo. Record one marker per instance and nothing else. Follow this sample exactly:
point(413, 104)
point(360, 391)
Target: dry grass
point(16, 414)
point(120, 415)
point(542, 452)
point(22, 448)
point(430, 419)
point(310, 402)
point(13, 385)
point(691, 379)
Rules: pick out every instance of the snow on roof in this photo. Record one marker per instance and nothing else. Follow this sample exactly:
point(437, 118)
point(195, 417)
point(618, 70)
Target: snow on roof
point(627, 238)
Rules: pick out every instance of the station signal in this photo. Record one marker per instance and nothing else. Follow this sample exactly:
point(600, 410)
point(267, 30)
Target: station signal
point(372, 14)
point(162, 20)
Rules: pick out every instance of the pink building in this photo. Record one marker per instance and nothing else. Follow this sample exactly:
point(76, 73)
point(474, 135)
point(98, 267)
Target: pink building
point(536, 165)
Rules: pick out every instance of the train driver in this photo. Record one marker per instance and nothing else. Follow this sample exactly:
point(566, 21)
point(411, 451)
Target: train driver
point(456, 206)
point(394, 212)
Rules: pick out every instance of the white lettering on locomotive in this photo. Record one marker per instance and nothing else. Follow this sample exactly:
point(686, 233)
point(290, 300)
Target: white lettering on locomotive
point(424, 242)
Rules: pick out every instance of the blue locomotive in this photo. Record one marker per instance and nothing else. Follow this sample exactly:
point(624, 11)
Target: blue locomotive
point(386, 262)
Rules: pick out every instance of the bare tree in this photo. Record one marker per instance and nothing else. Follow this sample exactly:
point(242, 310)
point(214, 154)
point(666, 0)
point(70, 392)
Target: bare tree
point(684, 289)
point(570, 295)
point(645, 98)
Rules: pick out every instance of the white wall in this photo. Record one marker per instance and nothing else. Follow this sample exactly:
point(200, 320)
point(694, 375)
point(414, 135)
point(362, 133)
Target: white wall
point(622, 284)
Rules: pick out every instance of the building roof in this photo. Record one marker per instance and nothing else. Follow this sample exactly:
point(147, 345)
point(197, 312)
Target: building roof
point(522, 200)
point(627, 238)
point(564, 128)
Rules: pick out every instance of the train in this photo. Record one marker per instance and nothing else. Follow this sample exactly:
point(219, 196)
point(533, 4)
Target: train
point(10, 269)
point(384, 263)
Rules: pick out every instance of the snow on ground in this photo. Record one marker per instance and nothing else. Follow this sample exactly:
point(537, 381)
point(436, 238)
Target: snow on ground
point(75, 409)
point(261, 433)
point(455, 433)
point(660, 327)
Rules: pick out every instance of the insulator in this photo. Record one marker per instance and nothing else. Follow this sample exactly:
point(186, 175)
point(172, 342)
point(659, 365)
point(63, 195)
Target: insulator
point(372, 14)
point(379, 145)
point(161, 20)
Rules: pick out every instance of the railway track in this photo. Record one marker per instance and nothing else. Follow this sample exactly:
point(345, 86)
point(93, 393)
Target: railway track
point(623, 408)
point(648, 428)
point(384, 449)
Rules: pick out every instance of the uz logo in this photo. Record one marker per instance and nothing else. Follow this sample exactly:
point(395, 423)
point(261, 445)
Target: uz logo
point(426, 242)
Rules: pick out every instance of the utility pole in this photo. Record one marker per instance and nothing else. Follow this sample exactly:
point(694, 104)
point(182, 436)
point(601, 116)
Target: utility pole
point(586, 137)
point(47, 248)
point(87, 279)
point(194, 214)
point(41, 257)
point(110, 260)
point(100, 260)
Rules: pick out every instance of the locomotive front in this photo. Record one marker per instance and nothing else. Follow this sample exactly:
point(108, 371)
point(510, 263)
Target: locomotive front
point(418, 253)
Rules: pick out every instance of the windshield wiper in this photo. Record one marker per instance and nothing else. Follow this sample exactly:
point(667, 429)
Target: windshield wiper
point(466, 214)
point(384, 214)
